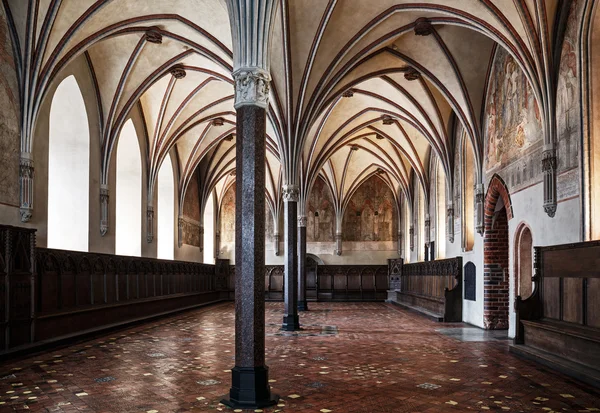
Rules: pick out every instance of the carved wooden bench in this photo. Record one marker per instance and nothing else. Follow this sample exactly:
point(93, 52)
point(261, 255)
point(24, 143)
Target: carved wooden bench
point(559, 325)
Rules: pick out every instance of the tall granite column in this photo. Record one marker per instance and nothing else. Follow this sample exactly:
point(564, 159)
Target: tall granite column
point(250, 377)
point(302, 304)
point(290, 210)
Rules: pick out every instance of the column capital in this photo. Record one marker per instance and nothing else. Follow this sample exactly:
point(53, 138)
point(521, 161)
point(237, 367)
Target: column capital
point(291, 193)
point(252, 86)
point(302, 220)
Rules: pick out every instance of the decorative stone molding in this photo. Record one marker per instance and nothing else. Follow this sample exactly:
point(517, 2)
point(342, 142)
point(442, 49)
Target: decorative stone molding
point(549, 170)
point(411, 234)
point(450, 223)
point(423, 27)
point(104, 197)
point(410, 73)
point(149, 224)
point(178, 72)
point(153, 35)
point(291, 193)
point(252, 88)
point(354, 147)
point(26, 176)
point(338, 244)
point(348, 93)
point(218, 122)
point(302, 221)
point(479, 224)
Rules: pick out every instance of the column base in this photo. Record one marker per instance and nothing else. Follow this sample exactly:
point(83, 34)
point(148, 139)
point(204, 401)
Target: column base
point(302, 306)
point(250, 389)
point(291, 323)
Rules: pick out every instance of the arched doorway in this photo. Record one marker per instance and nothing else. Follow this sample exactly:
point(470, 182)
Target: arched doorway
point(498, 211)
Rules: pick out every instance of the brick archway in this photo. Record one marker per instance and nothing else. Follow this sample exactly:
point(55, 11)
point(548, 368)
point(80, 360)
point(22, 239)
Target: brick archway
point(495, 255)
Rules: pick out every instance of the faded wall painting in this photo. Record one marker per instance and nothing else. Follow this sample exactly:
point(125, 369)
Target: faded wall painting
point(456, 184)
point(320, 214)
point(513, 125)
point(9, 120)
point(568, 107)
point(227, 218)
point(371, 213)
point(191, 213)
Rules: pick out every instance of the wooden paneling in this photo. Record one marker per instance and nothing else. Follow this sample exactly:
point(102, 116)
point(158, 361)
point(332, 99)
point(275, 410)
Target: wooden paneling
point(593, 302)
point(572, 299)
point(551, 298)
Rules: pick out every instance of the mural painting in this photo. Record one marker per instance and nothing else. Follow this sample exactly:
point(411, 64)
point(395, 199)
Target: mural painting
point(456, 184)
point(513, 125)
point(9, 120)
point(191, 214)
point(568, 108)
point(320, 226)
point(228, 216)
point(371, 213)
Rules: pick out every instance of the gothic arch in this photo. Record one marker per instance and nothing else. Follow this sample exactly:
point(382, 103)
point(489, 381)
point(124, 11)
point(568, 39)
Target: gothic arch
point(523, 262)
point(498, 211)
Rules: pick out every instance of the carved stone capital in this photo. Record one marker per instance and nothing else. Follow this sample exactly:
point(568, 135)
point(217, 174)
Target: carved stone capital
point(104, 198)
point(178, 72)
point(252, 86)
point(302, 221)
point(153, 35)
point(291, 193)
point(423, 27)
point(548, 160)
point(26, 176)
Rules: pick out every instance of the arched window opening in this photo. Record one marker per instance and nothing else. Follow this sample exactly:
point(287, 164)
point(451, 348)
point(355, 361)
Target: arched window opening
point(468, 206)
point(523, 262)
point(420, 225)
point(166, 211)
point(593, 152)
point(128, 227)
point(209, 230)
point(68, 169)
point(406, 220)
point(440, 213)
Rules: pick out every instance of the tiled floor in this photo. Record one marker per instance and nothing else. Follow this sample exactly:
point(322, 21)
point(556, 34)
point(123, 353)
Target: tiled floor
point(365, 358)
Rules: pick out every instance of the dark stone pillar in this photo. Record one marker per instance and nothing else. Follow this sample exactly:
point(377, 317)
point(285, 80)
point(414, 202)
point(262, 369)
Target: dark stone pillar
point(250, 377)
point(302, 304)
point(290, 202)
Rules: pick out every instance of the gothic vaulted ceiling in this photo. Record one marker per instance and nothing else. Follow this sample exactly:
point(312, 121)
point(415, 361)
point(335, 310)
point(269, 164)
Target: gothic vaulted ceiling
point(359, 87)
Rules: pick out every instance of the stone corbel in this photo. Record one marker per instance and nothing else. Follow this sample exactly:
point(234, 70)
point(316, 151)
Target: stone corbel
point(400, 243)
point(479, 227)
point(549, 171)
point(450, 223)
point(276, 239)
point(252, 87)
point(427, 229)
point(411, 234)
point(104, 197)
point(149, 224)
point(180, 224)
point(217, 245)
point(26, 176)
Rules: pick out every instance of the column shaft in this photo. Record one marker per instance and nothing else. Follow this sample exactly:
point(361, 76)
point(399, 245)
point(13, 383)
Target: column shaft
point(302, 304)
point(290, 205)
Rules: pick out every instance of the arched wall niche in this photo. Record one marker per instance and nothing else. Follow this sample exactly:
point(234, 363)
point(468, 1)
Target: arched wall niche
point(523, 259)
point(68, 169)
point(80, 69)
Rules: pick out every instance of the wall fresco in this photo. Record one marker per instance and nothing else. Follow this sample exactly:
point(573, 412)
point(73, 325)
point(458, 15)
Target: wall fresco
point(568, 107)
point(320, 226)
point(371, 213)
point(513, 125)
point(9, 120)
point(227, 212)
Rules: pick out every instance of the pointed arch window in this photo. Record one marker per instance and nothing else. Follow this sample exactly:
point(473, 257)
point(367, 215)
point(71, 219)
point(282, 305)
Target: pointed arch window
point(68, 169)
point(166, 211)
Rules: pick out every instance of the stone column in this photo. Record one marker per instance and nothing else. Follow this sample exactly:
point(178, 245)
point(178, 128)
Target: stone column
point(26, 175)
point(290, 244)
point(302, 303)
point(251, 24)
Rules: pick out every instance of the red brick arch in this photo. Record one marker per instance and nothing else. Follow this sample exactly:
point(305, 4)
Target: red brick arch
point(495, 256)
